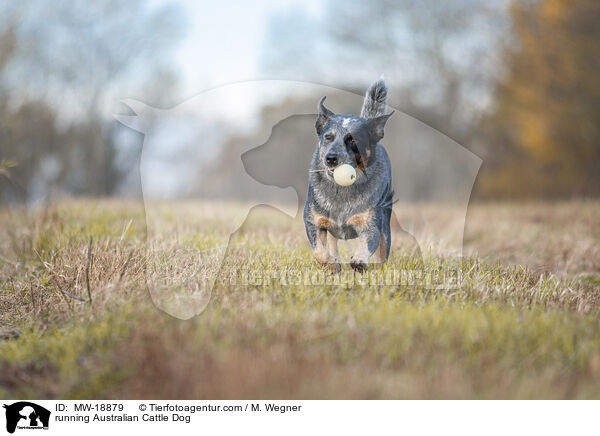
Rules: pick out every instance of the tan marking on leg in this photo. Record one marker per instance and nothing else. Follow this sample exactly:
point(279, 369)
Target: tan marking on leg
point(360, 220)
point(381, 249)
point(334, 257)
point(333, 248)
point(321, 220)
point(321, 252)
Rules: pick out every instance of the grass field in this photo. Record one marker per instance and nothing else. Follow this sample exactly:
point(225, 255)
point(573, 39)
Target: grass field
point(523, 324)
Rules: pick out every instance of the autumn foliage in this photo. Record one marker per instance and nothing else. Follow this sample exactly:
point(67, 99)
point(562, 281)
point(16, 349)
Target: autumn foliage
point(544, 133)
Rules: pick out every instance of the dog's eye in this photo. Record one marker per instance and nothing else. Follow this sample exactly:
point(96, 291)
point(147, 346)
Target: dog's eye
point(329, 137)
point(350, 142)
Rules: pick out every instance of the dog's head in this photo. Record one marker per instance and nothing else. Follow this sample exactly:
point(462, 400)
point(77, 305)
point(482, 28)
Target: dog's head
point(347, 139)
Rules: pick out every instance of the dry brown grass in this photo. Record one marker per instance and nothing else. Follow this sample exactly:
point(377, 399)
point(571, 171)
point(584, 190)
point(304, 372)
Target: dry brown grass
point(559, 238)
point(523, 325)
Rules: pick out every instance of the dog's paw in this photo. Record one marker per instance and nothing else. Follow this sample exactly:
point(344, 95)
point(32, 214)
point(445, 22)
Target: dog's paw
point(358, 265)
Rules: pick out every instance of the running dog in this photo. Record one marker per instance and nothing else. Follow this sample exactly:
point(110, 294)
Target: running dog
point(363, 209)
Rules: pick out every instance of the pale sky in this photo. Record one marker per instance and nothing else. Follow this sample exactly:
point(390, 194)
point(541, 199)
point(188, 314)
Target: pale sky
point(225, 39)
point(223, 44)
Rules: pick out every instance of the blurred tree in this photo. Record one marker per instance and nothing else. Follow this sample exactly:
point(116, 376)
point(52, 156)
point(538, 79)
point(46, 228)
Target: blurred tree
point(545, 127)
point(31, 149)
point(438, 57)
point(62, 64)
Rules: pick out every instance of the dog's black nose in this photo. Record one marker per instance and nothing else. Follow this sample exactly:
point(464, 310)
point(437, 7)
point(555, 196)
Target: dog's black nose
point(331, 159)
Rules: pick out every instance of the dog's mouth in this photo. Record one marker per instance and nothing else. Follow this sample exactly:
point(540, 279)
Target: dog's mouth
point(329, 172)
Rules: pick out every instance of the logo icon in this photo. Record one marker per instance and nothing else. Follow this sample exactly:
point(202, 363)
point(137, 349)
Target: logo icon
point(26, 415)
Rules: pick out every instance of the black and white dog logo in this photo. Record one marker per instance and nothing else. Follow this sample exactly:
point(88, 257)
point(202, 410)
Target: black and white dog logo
point(26, 415)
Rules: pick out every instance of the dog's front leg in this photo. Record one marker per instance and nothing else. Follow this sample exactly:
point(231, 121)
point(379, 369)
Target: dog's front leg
point(368, 242)
point(325, 250)
point(334, 257)
point(369, 235)
point(324, 247)
point(318, 240)
point(320, 249)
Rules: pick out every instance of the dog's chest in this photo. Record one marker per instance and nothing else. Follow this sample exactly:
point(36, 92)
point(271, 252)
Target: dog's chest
point(345, 223)
point(344, 231)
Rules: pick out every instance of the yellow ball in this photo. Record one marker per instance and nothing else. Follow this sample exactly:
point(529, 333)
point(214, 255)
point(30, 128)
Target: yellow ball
point(344, 175)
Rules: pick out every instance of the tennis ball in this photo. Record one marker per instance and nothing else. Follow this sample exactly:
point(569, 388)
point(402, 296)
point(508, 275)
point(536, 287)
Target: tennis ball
point(344, 175)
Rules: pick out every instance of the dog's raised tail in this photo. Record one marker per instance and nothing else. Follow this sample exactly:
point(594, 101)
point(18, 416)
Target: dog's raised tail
point(375, 100)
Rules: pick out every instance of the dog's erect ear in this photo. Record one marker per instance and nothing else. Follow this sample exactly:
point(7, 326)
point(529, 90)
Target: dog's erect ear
point(324, 115)
point(376, 125)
